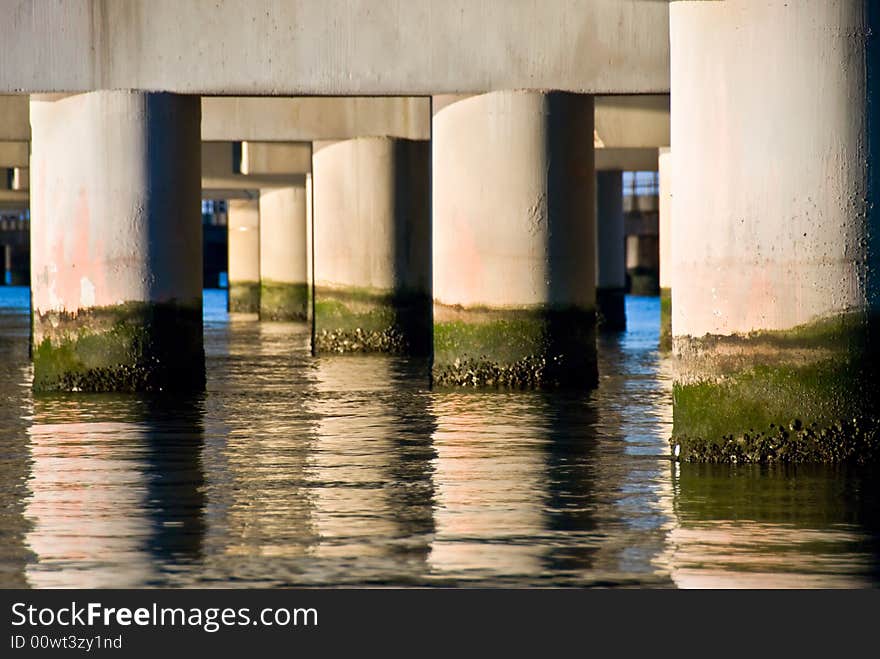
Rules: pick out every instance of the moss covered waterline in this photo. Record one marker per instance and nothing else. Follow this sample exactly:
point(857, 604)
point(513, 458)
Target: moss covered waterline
point(244, 297)
point(283, 301)
point(666, 319)
point(355, 320)
point(514, 349)
point(129, 347)
point(803, 395)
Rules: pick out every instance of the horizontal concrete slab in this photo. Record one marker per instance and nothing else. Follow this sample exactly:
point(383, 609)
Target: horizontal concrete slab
point(307, 119)
point(335, 46)
point(627, 160)
point(220, 170)
point(275, 158)
point(632, 121)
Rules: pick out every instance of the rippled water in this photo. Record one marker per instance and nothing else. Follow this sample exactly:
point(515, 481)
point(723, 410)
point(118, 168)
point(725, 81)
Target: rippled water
point(294, 470)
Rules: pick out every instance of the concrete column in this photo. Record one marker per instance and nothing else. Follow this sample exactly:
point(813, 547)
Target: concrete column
point(611, 251)
point(284, 292)
point(665, 170)
point(243, 221)
point(372, 237)
point(775, 252)
point(514, 241)
point(116, 266)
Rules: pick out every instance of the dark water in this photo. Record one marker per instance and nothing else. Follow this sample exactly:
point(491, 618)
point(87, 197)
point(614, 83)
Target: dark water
point(293, 470)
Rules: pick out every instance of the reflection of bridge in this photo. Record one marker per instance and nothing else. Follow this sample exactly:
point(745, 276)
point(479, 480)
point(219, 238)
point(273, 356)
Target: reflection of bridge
point(427, 185)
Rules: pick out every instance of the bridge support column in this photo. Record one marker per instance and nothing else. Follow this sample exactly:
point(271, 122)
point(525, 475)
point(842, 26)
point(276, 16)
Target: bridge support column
point(664, 163)
point(116, 242)
point(244, 255)
point(284, 290)
point(514, 241)
point(775, 247)
point(372, 235)
point(611, 256)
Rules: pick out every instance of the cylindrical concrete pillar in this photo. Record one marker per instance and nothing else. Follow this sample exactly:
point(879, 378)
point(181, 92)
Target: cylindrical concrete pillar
point(611, 251)
point(372, 238)
point(664, 163)
point(284, 291)
point(116, 241)
point(514, 241)
point(243, 221)
point(775, 253)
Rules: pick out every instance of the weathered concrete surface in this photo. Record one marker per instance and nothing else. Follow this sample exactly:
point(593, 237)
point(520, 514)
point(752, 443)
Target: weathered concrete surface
point(514, 231)
point(14, 122)
point(372, 242)
point(257, 158)
point(116, 301)
point(283, 261)
point(335, 46)
point(14, 154)
point(665, 172)
point(610, 251)
point(775, 254)
point(244, 255)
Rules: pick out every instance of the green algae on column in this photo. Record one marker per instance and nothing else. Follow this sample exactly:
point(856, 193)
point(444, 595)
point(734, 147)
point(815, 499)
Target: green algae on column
point(134, 346)
point(283, 301)
point(518, 349)
point(803, 395)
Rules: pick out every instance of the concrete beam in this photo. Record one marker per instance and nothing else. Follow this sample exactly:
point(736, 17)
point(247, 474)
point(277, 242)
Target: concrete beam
point(14, 123)
point(322, 47)
point(220, 194)
point(621, 122)
point(275, 158)
point(632, 121)
point(627, 160)
point(220, 171)
point(14, 154)
point(307, 119)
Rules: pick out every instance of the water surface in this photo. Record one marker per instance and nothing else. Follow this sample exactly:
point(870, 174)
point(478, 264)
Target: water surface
point(292, 470)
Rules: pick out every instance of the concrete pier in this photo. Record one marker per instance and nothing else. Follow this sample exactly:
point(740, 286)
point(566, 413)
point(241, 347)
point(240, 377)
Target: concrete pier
point(611, 251)
point(244, 255)
point(284, 291)
point(372, 246)
point(514, 241)
point(665, 172)
point(775, 253)
point(116, 264)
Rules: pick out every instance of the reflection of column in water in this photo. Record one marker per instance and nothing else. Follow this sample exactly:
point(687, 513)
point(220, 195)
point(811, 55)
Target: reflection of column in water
point(112, 495)
point(634, 420)
point(14, 472)
point(570, 454)
point(260, 435)
point(782, 527)
point(371, 469)
point(490, 481)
